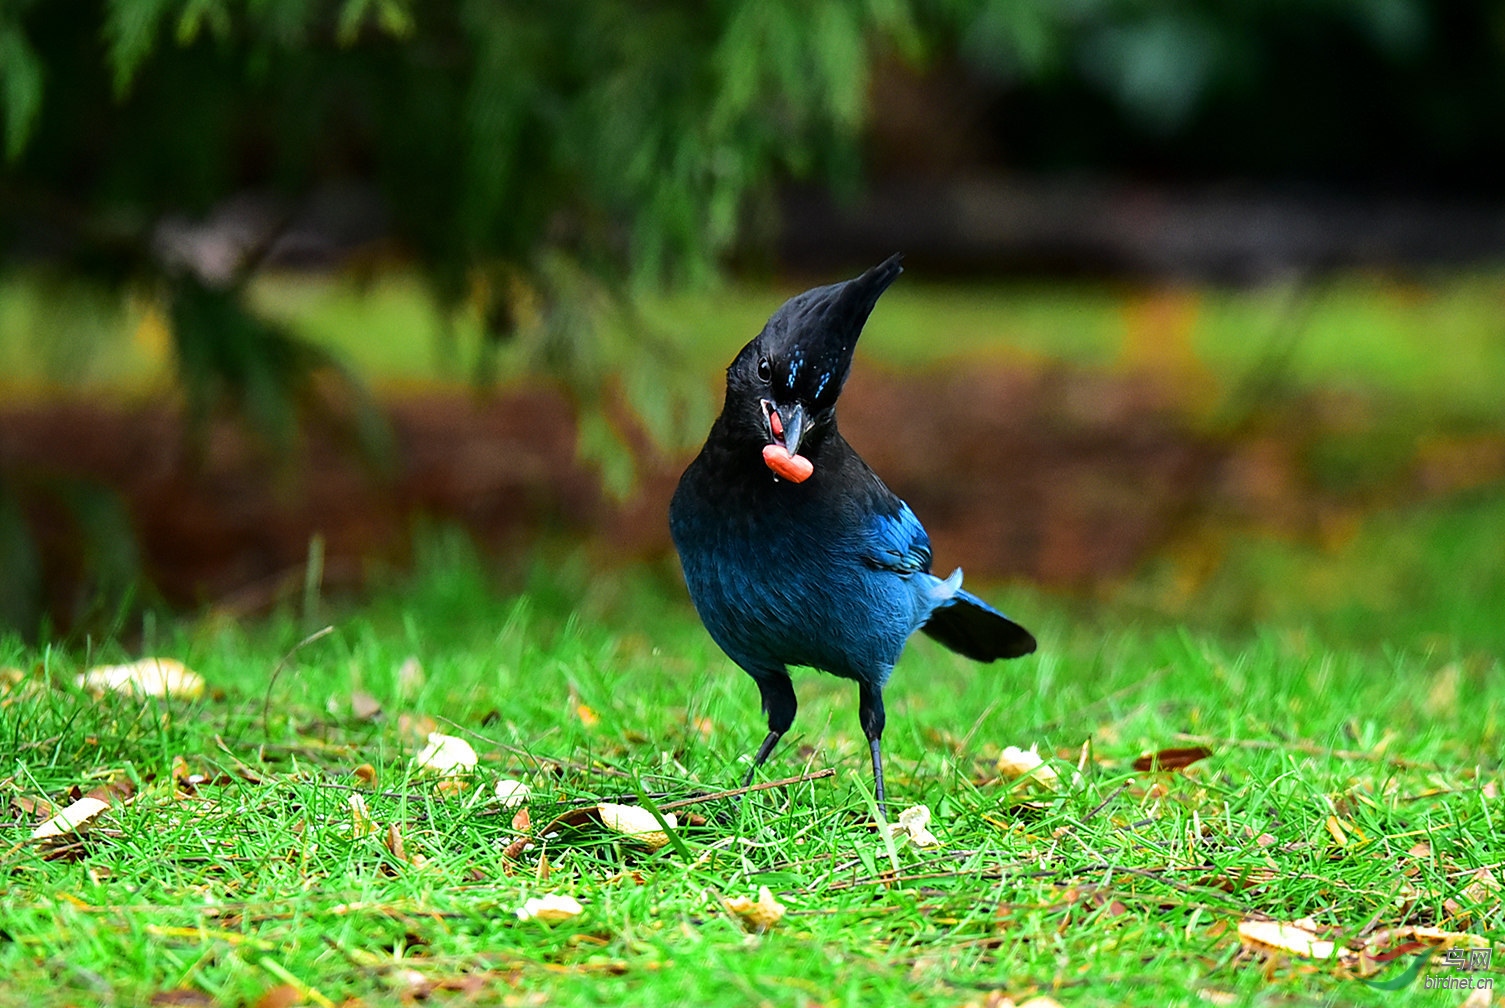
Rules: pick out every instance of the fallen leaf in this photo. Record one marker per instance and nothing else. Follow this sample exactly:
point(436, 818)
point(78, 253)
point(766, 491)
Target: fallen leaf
point(756, 916)
point(393, 842)
point(550, 909)
point(1172, 759)
point(1027, 767)
point(587, 717)
point(182, 996)
point(362, 823)
point(17, 684)
point(281, 996)
point(511, 793)
point(71, 818)
point(158, 677)
point(914, 823)
point(993, 999)
point(446, 754)
point(1442, 694)
point(637, 823)
point(1295, 938)
point(364, 706)
point(36, 808)
point(366, 774)
point(410, 677)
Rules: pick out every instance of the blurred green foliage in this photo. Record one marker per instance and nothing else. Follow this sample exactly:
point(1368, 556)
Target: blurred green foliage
point(546, 167)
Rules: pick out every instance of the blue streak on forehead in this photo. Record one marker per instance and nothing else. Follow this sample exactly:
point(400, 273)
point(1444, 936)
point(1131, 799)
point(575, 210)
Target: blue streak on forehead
point(794, 368)
point(824, 379)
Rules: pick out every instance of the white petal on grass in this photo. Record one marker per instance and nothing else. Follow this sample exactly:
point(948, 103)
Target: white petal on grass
point(512, 793)
point(70, 819)
point(446, 754)
point(550, 909)
point(914, 822)
point(756, 916)
point(636, 822)
point(148, 677)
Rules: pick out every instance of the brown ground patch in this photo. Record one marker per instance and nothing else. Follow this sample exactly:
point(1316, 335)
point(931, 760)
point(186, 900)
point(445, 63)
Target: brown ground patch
point(1060, 477)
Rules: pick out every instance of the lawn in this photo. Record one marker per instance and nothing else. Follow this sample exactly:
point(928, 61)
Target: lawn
point(1356, 788)
point(1337, 707)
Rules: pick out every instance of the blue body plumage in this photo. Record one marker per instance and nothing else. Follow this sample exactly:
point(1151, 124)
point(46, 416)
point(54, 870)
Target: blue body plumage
point(824, 567)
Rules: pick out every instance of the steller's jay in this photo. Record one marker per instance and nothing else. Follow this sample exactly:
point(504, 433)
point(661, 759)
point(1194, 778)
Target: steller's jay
point(793, 550)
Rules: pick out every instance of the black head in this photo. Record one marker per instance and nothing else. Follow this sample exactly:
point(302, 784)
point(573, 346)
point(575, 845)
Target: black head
point(782, 388)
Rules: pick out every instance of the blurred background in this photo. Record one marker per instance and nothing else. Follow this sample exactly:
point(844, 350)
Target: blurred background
point(1203, 317)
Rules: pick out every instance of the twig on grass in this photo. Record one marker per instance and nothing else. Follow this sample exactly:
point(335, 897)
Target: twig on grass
point(266, 702)
point(735, 792)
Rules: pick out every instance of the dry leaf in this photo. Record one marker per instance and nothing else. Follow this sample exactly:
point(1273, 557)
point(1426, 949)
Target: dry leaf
point(281, 996)
point(993, 999)
point(756, 916)
point(1296, 938)
point(364, 706)
point(71, 818)
point(511, 793)
point(35, 808)
point(181, 997)
point(446, 754)
point(588, 717)
point(636, 822)
point(1172, 759)
point(550, 909)
point(393, 842)
point(914, 823)
point(366, 774)
point(158, 677)
point(361, 821)
point(17, 684)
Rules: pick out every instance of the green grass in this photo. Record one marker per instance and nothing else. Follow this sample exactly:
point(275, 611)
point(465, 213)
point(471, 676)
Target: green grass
point(1124, 889)
point(1350, 694)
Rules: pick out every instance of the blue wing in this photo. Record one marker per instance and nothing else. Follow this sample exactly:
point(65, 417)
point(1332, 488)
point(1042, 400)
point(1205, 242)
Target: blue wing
point(897, 543)
point(958, 619)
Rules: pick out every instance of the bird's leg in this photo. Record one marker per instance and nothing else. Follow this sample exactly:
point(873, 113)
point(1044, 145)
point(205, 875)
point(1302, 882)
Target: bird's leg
point(870, 713)
point(779, 704)
point(762, 754)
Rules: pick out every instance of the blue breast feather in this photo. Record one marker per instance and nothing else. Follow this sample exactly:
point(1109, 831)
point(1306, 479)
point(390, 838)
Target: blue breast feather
point(842, 603)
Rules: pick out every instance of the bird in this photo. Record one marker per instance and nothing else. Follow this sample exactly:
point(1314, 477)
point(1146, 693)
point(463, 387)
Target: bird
point(794, 552)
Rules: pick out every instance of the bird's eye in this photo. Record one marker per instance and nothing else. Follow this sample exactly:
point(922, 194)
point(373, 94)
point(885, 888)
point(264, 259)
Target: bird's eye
point(765, 370)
